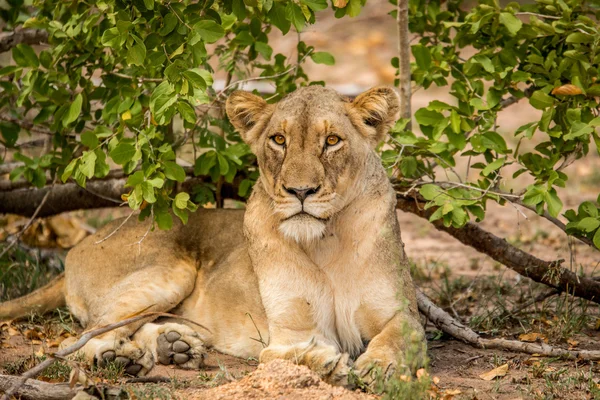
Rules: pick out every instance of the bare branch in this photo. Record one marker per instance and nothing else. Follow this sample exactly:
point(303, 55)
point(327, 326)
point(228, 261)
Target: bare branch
point(452, 327)
point(549, 273)
point(404, 60)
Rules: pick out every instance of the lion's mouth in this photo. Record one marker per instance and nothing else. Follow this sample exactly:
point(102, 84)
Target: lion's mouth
point(303, 215)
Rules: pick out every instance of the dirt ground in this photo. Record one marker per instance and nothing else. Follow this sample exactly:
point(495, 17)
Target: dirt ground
point(481, 292)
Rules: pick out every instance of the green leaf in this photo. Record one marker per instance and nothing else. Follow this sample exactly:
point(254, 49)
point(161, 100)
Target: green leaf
point(596, 239)
point(541, 100)
point(149, 4)
point(174, 171)
point(512, 23)
point(294, 14)
point(69, 170)
point(10, 132)
point(181, 200)
point(244, 187)
point(277, 15)
point(24, 56)
point(455, 122)
point(164, 220)
point(422, 57)
point(554, 203)
point(88, 164)
point(123, 153)
point(169, 23)
point(135, 179)
point(186, 111)
point(588, 224)
point(89, 139)
point(322, 57)
point(182, 214)
point(431, 191)
point(73, 111)
point(209, 30)
point(265, 50)
point(223, 164)
point(579, 37)
point(493, 166)
point(316, 5)
point(428, 117)
point(148, 192)
point(112, 38)
point(136, 54)
point(195, 79)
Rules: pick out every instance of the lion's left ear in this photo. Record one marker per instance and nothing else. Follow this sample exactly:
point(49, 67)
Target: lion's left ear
point(245, 110)
point(375, 111)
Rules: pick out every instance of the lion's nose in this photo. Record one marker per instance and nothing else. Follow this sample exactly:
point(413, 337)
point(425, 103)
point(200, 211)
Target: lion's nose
point(303, 192)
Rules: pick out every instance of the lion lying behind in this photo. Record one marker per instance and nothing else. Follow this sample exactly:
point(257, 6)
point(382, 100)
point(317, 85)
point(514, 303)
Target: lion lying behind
point(314, 271)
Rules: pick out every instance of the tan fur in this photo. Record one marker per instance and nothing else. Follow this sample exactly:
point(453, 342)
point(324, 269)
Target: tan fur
point(319, 280)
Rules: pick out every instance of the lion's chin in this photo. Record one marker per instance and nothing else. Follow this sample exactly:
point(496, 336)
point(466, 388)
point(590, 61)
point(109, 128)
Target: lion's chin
point(302, 228)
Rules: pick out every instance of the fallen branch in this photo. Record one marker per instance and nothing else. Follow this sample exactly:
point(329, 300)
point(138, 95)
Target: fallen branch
point(19, 35)
point(38, 390)
point(454, 328)
point(85, 337)
point(549, 273)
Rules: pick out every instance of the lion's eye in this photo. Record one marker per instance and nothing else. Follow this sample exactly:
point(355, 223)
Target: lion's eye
point(278, 139)
point(332, 140)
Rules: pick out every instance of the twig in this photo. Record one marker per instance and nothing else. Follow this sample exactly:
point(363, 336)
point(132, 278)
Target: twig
point(404, 60)
point(260, 78)
point(454, 328)
point(537, 15)
point(86, 337)
point(150, 379)
point(117, 228)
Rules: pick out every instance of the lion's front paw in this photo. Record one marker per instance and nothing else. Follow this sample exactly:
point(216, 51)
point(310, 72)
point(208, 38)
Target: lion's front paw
point(180, 345)
point(134, 359)
point(371, 367)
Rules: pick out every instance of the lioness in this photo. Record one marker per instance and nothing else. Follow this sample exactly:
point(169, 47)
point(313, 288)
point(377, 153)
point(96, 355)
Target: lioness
point(314, 271)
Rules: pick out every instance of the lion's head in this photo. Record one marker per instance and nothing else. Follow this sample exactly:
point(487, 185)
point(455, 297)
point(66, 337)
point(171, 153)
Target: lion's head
point(311, 148)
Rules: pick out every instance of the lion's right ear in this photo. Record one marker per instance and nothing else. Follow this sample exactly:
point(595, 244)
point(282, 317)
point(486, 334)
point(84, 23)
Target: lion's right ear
point(245, 110)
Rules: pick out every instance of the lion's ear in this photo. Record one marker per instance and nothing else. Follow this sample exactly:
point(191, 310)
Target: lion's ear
point(245, 110)
point(375, 111)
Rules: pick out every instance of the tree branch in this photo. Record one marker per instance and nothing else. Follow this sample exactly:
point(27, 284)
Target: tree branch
point(549, 273)
point(19, 35)
point(404, 60)
point(454, 328)
point(99, 193)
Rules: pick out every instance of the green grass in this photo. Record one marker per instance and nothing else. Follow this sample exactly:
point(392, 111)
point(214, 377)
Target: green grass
point(21, 272)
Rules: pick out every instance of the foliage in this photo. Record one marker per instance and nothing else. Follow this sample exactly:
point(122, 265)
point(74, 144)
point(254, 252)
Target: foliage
point(119, 77)
point(489, 57)
point(130, 85)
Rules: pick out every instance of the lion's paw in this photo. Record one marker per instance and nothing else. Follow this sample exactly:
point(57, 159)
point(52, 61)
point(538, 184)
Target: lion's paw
point(369, 368)
point(180, 345)
point(135, 360)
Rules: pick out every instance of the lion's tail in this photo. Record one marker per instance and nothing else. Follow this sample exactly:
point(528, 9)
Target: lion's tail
point(42, 300)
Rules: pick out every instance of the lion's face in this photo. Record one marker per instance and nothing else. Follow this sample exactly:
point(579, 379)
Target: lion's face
point(311, 149)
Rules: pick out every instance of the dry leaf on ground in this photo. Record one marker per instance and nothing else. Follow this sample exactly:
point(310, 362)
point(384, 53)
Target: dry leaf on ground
point(532, 337)
point(495, 373)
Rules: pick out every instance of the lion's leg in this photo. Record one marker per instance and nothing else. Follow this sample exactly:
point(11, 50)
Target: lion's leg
point(172, 343)
point(154, 288)
point(399, 346)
